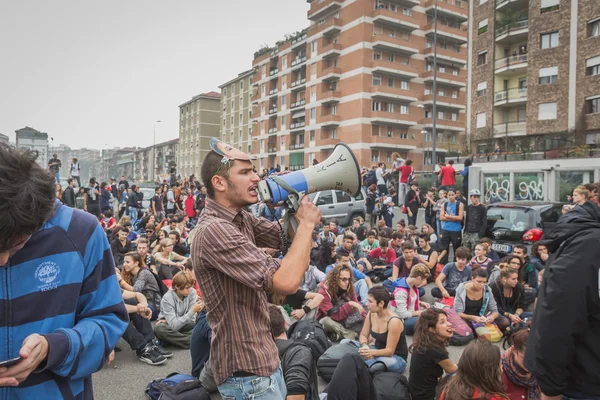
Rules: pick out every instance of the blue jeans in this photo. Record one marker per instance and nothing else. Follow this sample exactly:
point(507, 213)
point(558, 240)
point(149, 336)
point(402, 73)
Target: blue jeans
point(394, 363)
point(57, 177)
point(409, 325)
point(254, 387)
point(200, 344)
point(362, 291)
point(388, 219)
point(132, 214)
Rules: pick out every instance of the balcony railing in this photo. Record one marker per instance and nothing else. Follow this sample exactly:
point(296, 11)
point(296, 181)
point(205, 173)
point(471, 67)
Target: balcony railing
point(296, 146)
point(272, 130)
point(456, 3)
point(299, 39)
point(296, 125)
point(511, 94)
point(273, 110)
point(507, 128)
point(298, 82)
point(272, 149)
point(515, 26)
point(512, 60)
point(298, 103)
point(298, 61)
point(274, 72)
point(273, 91)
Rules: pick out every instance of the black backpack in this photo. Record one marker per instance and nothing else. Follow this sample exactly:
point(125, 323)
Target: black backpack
point(329, 361)
point(177, 386)
point(371, 178)
point(391, 386)
point(311, 333)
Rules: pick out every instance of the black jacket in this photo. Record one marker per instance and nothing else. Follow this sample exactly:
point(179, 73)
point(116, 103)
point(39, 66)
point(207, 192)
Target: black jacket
point(563, 350)
point(505, 305)
point(132, 200)
point(299, 369)
point(69, 197)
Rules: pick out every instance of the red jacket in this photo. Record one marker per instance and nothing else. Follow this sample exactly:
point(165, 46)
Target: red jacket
point(389, 257)
point(514, 391)
point(327, 305)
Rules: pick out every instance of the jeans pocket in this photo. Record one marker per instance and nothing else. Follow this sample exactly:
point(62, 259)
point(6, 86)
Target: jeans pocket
point(260, 385)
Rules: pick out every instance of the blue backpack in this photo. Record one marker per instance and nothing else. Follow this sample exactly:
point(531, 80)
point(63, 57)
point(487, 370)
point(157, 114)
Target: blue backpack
point(177, 386)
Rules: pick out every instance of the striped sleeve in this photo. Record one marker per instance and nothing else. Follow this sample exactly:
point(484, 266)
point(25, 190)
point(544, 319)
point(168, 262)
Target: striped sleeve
point(266, 233)
point(101, 317)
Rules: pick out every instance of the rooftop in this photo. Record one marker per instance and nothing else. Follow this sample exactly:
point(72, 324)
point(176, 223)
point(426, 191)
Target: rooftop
point(241, 75)
point(212, 95)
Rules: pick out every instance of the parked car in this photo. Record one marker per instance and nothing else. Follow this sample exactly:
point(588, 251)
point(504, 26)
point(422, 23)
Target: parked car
point(519, 222)
point(340, 205)
point(148, 194)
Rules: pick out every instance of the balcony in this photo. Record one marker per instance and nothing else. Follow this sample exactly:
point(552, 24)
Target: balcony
point(274, 53)
point(512, 65)
point(328, 141)
point(457, 103)
point(385, 92)
point(299, 41)
point(297, 146)
point(393, 119)
point(298, 61)
point(331, 74)
point(273, 110)
point(332, 50)
point(394, 45)
point(394, 20)
point(394, 142)
point(294, 126)
point(320, 9)
point(274, 72)
point(272, 149)
point(331, 27)
point(513, 32)
point(329, 97)
point(450, 8)
point(298, 84)
point(446, 124)
point(297, 104)
point(456, 34)
point(514, 4)
point(273, 92)
point(396, 70)
point(406, 3)
point(456, 81)
point(272, 131)
point(510, 97)
point(516, 128)
point(330, 120)
point(457, 57)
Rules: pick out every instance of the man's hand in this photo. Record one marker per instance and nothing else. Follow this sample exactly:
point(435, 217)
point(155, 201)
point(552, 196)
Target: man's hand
point(33, 352)
point(144, 311)
point(298, 314)
point(308, 213)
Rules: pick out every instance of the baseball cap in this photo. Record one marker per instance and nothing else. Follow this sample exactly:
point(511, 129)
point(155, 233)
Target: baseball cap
point(474, 192)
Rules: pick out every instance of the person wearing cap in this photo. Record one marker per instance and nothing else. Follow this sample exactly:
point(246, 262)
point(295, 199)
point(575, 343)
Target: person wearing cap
point(234, 274)
point(475, 221)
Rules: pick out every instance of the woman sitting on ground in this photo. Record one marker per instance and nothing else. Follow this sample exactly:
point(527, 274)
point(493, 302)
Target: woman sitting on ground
point(474, 300)
point(510, 299)
point(428, 229)
point(429, 355)
point(510, 261)
point(136, 277)
point(387, 329)
point(406, 303)
point(518, 382)
point(155, 246)
point(340, 313)
point(480, 260)
point(325, 255)
point(168, 263)
point(478, 375)
point(297, 306)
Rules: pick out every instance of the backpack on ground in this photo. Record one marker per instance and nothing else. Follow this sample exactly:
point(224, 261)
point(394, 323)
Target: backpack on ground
point(371, 178)
point(177, 386)
point(328, 362)
point(391, 386)
point(311, 333)
point(463, 333)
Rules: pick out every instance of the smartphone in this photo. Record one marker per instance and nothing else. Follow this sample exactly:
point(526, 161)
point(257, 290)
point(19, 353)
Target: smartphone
point(10, 362)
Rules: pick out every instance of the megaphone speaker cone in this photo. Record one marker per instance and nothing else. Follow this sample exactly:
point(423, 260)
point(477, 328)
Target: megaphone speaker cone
point(340, 171)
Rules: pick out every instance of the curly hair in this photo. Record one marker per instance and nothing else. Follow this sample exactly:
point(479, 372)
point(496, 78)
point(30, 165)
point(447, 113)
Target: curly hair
point(478, 367)
point(331, 281)
point(27, 195)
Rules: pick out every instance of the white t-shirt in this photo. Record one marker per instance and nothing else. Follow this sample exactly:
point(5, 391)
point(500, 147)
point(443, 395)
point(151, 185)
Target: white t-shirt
point(387, 201)
point(379, 175)
point(75, 169)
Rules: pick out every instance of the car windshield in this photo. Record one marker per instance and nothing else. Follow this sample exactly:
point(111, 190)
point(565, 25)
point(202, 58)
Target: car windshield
point(509, 219)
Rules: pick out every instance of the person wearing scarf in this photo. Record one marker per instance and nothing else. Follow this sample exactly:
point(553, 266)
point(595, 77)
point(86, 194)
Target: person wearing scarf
point(518, 382)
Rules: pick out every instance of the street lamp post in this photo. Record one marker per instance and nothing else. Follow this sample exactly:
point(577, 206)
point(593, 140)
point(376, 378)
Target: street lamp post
point(434, 119)
point(154, 151)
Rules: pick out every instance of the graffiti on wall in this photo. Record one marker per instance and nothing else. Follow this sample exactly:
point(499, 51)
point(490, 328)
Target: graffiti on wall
point(528, 186)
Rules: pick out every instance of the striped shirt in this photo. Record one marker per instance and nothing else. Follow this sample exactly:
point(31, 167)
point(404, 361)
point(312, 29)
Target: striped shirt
point(234, 276)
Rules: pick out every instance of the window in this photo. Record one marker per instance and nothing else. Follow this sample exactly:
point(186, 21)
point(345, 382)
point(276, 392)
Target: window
point(593, 66)
point(390, 107)
point(283, 122)
point(546, 111)
point(594, 27)
point(403, 135)
point(376, 56)
point(391, 57)
point(593, 104)
point(376, 106)
point(482, 58)
point(241, 119)
point(403, 109)
point(549, 5)
point(483, 26)
point(283, 101)
point(427, 90)
point(454, 116)
point(313, 113)
point(284, 64)
point(481, 89)
point(548, 75)
point(311, 136)
point(241, 85)
point(334, 133)
point(334, 110)
point(390, 132)
point(232, 104)
point(391, 82)
point(407, 11)
point(481, 120)
point(263, 90)
point(549, 40)
point(441, 115)
point(313, 46)
point(404, 85)
point(376, 80)
point(374, 156)
point(442, 69)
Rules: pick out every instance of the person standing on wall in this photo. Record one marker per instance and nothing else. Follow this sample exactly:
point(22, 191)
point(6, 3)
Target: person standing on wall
point(75, 171)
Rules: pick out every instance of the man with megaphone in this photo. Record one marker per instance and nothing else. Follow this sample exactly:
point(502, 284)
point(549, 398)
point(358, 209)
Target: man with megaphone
point(234, 275)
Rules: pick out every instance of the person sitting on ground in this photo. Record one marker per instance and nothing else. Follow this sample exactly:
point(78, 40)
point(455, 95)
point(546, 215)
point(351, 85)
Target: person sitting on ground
point(325, 255)
point(480, 260)
point(428, 229)
point(132, 235)
point(430, 358)
point(178, 247)
point(143, 250)
point(539, 256)
point(407, 304)
point(178, 310)
point(326, 235)
point(452, 275)
point(362, 283)
point(297, 363)
point(383, 255)
point(370, 242)
point(358, 229)
point(428, 254)
point(139, 333)
point(340, 313)
point(527, 274)
point(396, 243)
point(297, 306)
point(357, 257)
point(172, 226)
point(107, 221)
point(402, 265)
point(489, 252)
point(478, 375)
point(136, 277)
point(312, 277)
point(120, 246)
point(386, 329)
point(518, 382)
point(160, 236)
point(510, 299)
point(168, 262)
point(474, 300)
point(497, 268)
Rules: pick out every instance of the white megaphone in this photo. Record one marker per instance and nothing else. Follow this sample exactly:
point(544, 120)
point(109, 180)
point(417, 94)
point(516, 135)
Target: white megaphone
point(340, 171)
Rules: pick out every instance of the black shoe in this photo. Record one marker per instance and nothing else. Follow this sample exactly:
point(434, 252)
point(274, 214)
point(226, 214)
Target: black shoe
point(150, 356)
point(163, 352)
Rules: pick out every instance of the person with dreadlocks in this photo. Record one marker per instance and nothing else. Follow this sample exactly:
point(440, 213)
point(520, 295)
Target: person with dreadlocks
point(340, 313)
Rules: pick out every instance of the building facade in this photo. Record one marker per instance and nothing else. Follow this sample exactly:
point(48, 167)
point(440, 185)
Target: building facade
point(199, 121)
point(89, 162)
point(362, 74)
point(3, 138)
point(151, 164)
point(236, 111)
point(34, 140)
point(535, 75)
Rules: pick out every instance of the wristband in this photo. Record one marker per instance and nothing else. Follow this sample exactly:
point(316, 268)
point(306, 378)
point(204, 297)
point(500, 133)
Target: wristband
point(306, 309)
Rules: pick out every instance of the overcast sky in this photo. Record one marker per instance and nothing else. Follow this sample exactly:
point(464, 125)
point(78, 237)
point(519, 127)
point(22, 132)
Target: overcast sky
point(99, 73)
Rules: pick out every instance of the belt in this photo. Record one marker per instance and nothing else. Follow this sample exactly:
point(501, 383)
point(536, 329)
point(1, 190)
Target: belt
point(242, 374)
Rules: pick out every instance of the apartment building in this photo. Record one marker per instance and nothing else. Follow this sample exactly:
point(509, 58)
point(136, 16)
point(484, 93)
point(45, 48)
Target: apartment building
point(199, 121)
point(535, 81)
point(3, 138)
point(236, 111)
point(362, 74)
point(151, 164)
point(34, 140)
